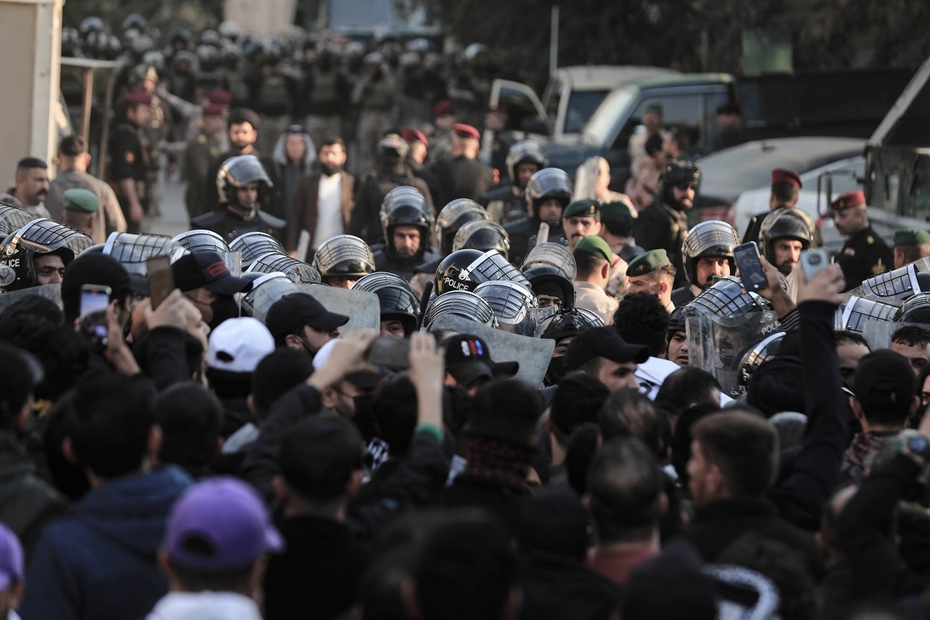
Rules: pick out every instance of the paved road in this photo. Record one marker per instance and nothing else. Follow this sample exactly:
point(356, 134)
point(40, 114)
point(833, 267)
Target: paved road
point(173, 219)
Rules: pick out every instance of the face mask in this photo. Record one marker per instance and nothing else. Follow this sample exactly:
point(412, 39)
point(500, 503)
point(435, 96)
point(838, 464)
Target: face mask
point(223, 308)
point(556, 370)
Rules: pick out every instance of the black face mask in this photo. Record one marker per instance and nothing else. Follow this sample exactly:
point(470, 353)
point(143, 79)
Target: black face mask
point(556, 370)
point(223, 308)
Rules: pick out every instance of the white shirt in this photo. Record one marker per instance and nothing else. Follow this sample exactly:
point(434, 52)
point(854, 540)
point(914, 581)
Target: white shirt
point(653, 372)
point(329, 210)
point(205, 606)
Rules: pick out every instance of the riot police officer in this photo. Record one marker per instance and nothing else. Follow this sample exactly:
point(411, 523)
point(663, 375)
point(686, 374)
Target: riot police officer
point(507, 204)
point(34, 266)
point(662, 225)
point(343, 260)
point(406, 221)
point(548, 192)
point(785, 234)
point(399, 304)
point(707, 251)
point(241, 184)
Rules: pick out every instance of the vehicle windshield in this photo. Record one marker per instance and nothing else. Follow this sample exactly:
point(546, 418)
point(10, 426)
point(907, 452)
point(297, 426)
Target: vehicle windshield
point(581, 107)
point(598, 130)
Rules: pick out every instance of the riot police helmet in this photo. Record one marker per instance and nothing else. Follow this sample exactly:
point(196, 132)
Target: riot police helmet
point(452, 217)
point(784, 224)
point(482, 235)
point(709, 239)
point(464, 304)
point(21, 249)
point(298, 271)
point(451, 275)
point(513, 304)
point(548, 183)
point(238, 172)
point(254, 244)
point(524, 152)
point(198, 240)
point(344, 256)
point(405, 206)
point(397, 299)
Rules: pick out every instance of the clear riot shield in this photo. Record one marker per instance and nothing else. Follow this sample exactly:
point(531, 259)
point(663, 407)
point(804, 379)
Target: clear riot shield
point(296, 270)
point(492, 266)
point(858, 313)
point(362, 307)
point(533, 354)
point(265, 291)
point(133, 250)
point(718, 344)
point(586, 176)
point(514, 305)
point(49, 291)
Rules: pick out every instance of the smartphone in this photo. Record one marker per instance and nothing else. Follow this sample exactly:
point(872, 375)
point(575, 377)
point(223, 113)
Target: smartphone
point(161, 280)
point(813, 261)
point(750, 268)
point(392, 353)
point(93, 320)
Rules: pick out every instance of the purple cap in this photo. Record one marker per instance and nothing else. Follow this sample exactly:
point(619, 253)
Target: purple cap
point(220, 524)
point(11, 558)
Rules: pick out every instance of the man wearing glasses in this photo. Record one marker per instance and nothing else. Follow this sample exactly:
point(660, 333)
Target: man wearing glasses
point(662, 225)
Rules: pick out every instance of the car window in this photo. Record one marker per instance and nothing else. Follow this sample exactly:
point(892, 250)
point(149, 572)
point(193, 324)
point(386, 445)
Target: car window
point(712, 101)
point(581, 107)
point(519, 106)
point(847, 178)
point(681, 114)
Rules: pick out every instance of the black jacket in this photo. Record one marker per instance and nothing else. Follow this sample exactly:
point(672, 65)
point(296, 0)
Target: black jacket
point(463, 178)
point(230, 225)
point(317, 575)
point(523, 234)
point(659, 226)
point(556, 588)
point(384, 262)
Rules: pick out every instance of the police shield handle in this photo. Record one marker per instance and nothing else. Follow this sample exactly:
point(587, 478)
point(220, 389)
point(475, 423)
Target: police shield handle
point(543, 235)
point(424, 301)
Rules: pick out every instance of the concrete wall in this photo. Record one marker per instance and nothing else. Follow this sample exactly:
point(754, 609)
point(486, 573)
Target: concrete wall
point(30, 39)
point(263, 18)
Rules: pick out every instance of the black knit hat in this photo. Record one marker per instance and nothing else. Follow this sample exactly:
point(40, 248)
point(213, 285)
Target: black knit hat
point(98, 269)
point(506, 409)
point(277, 373)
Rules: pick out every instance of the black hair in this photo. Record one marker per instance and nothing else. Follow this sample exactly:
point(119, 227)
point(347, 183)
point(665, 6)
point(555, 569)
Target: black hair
point(72, 146)
point(332, 141)
point(111, 419)
point(619, 227)
point(576, 402)
point(319, 456)
point(624, 486)
point(580, 448)
point(191, 421)
point(785, 567)
point(395, 408)
point(785, 192)
point(238, 116)
point(467, 569)
point(654, 144)
point(912, 336)
point(848, 337)
point(685, 388)
point(30, 163)
point(196, 580)
point(226, 384)
point(641, 319)
point(745, 448)
point(627, 413)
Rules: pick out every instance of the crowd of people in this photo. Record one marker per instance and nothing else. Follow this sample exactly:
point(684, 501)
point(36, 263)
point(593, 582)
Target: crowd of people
point(426, 393)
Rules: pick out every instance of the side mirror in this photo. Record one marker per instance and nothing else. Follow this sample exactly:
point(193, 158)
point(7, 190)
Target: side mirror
point(824, 186)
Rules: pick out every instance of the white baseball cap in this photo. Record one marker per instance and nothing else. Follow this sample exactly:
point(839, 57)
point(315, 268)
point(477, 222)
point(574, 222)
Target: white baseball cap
point(238, 345)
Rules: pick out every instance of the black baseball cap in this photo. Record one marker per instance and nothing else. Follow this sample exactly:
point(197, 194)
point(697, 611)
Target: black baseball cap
point(468, 358)
point(207, 270)
point(296, 309)
point(603, 342)
point(884, 379)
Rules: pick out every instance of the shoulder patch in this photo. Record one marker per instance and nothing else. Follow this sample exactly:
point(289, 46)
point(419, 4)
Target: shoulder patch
point(130, 157)
point(201, 139)
point(870, 239)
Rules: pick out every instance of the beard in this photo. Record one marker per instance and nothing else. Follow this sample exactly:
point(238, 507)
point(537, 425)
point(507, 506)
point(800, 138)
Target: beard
point(330, 170)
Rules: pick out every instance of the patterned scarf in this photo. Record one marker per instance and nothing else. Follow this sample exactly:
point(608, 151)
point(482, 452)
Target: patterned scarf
point(497, 460)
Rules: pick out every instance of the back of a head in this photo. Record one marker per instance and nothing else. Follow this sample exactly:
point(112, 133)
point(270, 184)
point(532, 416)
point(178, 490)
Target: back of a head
point(641, 319)
point(785, 193)
point(111, 419)
point(884, 387)
point(627, 413)
point(319, 456)
point(744, 447)
point(72, 146)
point(587, 264)
point(277, 373)
point(556, 523)
point(625, 488)
point(576, 402)
point(506, 409)
point(785, 567)
point(191, 420)
point(661, 587)
point(687, 387)
point(467, 569)
point(395, 408)
point(97, 269)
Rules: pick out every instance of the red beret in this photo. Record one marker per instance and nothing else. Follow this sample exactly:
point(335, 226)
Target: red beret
point(849, 200)
point(213, 109)
point(466, 131)
point(786, 176)
point(220, 96)
point(137, 96)
point(442, 108)
point(412, 135)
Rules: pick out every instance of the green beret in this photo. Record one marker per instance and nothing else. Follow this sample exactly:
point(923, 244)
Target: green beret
point(911, 236)
point(647, 263)
point(592, 244)
point(615, 210)
point(586, 207)
point(81, 200)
